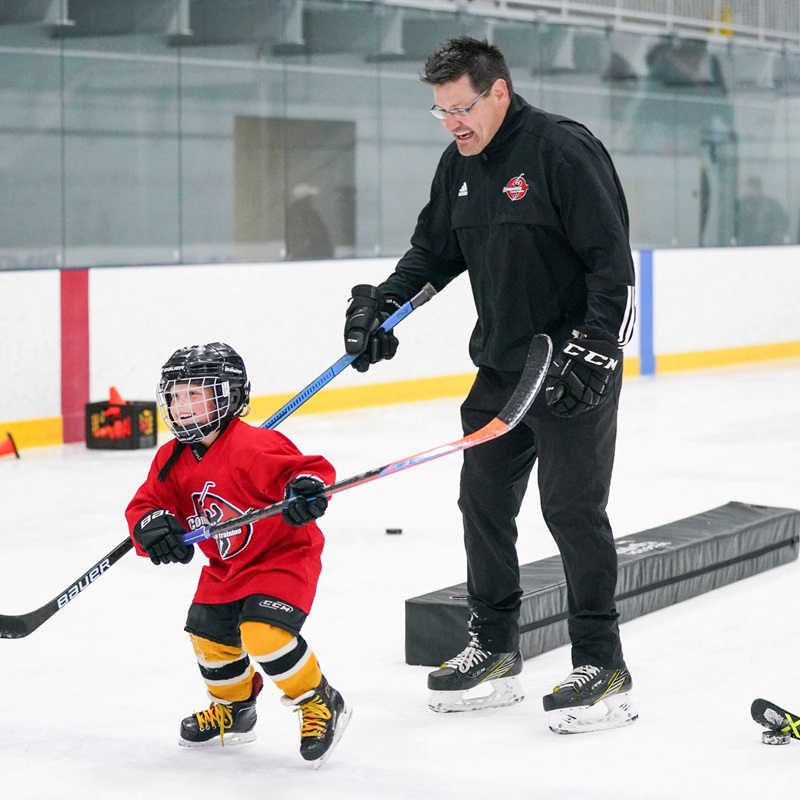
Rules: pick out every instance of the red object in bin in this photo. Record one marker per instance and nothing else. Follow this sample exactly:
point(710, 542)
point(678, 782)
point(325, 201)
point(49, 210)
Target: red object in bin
point(8, 446)
point(120, 424)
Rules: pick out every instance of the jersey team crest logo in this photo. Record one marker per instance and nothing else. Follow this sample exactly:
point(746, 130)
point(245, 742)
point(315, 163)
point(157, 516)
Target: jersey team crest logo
point(516, 188)
point(211, 509)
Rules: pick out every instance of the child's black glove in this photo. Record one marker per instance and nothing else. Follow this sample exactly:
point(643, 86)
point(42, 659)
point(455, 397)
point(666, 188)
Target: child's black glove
point(307, 503)
point(159, 533)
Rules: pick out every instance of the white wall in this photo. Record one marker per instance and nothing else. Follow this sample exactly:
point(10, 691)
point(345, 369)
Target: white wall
point(728, 297)
point(30, 345)
point(286, 320)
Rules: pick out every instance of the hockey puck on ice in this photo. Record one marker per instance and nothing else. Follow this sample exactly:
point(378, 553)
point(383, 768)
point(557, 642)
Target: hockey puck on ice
point(775, 737)
point(394, 531)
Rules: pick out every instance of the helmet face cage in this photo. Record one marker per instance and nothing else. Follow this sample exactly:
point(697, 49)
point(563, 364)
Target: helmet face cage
point(193, 409)
point(202, 388)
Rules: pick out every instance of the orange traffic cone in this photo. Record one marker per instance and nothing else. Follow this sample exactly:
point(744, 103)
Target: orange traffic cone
point(8, 447)
point(114, 397)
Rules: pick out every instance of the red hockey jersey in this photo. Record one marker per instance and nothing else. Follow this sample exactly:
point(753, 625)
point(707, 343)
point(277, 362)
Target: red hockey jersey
point(245, 468)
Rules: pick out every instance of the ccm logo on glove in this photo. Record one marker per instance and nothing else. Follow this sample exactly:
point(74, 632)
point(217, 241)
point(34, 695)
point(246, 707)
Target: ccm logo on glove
point(590, 357)
point(582, 373)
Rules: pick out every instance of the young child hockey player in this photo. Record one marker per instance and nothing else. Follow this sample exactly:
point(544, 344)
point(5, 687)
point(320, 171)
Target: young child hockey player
point(256, 591)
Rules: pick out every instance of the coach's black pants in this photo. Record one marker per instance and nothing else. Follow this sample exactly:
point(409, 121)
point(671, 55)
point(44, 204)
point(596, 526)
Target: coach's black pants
point(576, 458)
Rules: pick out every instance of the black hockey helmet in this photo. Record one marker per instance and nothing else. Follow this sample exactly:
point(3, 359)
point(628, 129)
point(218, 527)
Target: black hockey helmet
point(216, 366)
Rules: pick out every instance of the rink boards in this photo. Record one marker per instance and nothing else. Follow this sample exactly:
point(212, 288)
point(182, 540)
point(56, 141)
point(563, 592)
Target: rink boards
point(657, 568)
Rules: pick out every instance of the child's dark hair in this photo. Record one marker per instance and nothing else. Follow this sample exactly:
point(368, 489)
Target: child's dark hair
point(483, 62)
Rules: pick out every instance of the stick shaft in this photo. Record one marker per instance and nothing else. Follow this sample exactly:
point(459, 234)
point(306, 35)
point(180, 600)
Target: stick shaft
point(422, 297)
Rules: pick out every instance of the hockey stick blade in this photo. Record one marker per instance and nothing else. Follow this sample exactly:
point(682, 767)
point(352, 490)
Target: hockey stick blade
point(772, 716)
point(17, 627)
point(536, 364)
point(12, 627)
point(422, 297)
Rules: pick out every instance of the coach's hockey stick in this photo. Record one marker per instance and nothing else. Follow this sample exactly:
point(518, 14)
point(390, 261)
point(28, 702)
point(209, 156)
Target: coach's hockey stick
point(19, 626)
point(536, 364)
point(345, 361)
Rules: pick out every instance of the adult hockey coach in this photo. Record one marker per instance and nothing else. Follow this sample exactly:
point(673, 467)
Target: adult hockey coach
point(530, 206)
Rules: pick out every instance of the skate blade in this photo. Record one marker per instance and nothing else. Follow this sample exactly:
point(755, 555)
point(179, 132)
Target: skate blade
point(615, 711)
point(498, 693)
point(231, 740)
point(344, 721)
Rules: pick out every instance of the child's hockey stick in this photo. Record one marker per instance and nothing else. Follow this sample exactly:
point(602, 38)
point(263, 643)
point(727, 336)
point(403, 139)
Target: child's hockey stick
point(533, 375)
point(16, 627)
point(345, 361)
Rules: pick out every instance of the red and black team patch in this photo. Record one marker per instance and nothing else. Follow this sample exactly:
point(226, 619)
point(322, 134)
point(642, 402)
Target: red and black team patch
point(516, 188)
point(212, 509)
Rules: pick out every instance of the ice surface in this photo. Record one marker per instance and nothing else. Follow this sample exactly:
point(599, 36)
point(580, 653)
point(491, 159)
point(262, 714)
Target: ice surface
point(93, 699)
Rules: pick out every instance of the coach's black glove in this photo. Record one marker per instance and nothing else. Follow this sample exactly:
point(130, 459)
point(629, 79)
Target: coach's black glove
point(582, 374)
point(159, 533)
point(307, 503)
point(367, 311)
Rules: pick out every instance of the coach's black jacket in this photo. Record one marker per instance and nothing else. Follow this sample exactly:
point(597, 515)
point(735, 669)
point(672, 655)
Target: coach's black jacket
point(539, 220)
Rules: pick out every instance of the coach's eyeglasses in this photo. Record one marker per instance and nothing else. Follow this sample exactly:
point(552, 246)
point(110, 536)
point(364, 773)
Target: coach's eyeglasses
point(458, 113)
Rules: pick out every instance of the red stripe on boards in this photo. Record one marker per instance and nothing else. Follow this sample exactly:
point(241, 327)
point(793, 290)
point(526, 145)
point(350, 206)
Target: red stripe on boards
point(74, 352)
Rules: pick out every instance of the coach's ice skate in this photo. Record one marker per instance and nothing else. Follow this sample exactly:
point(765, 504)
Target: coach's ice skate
point(223, 723)
point(591, 699)
point(476, 679)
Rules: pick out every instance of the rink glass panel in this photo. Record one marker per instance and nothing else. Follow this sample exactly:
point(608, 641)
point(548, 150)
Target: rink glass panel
point(126, 138)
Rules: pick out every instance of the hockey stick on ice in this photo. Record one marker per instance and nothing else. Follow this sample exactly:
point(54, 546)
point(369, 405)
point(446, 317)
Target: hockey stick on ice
point(533, 375)
point(15, 627)
point(19, 626)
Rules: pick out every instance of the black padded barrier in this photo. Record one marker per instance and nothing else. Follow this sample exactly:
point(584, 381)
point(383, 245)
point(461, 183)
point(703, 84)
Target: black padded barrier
point(657, 568)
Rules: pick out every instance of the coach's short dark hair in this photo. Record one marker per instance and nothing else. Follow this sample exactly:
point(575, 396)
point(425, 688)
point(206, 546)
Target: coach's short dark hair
point(483, 62)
